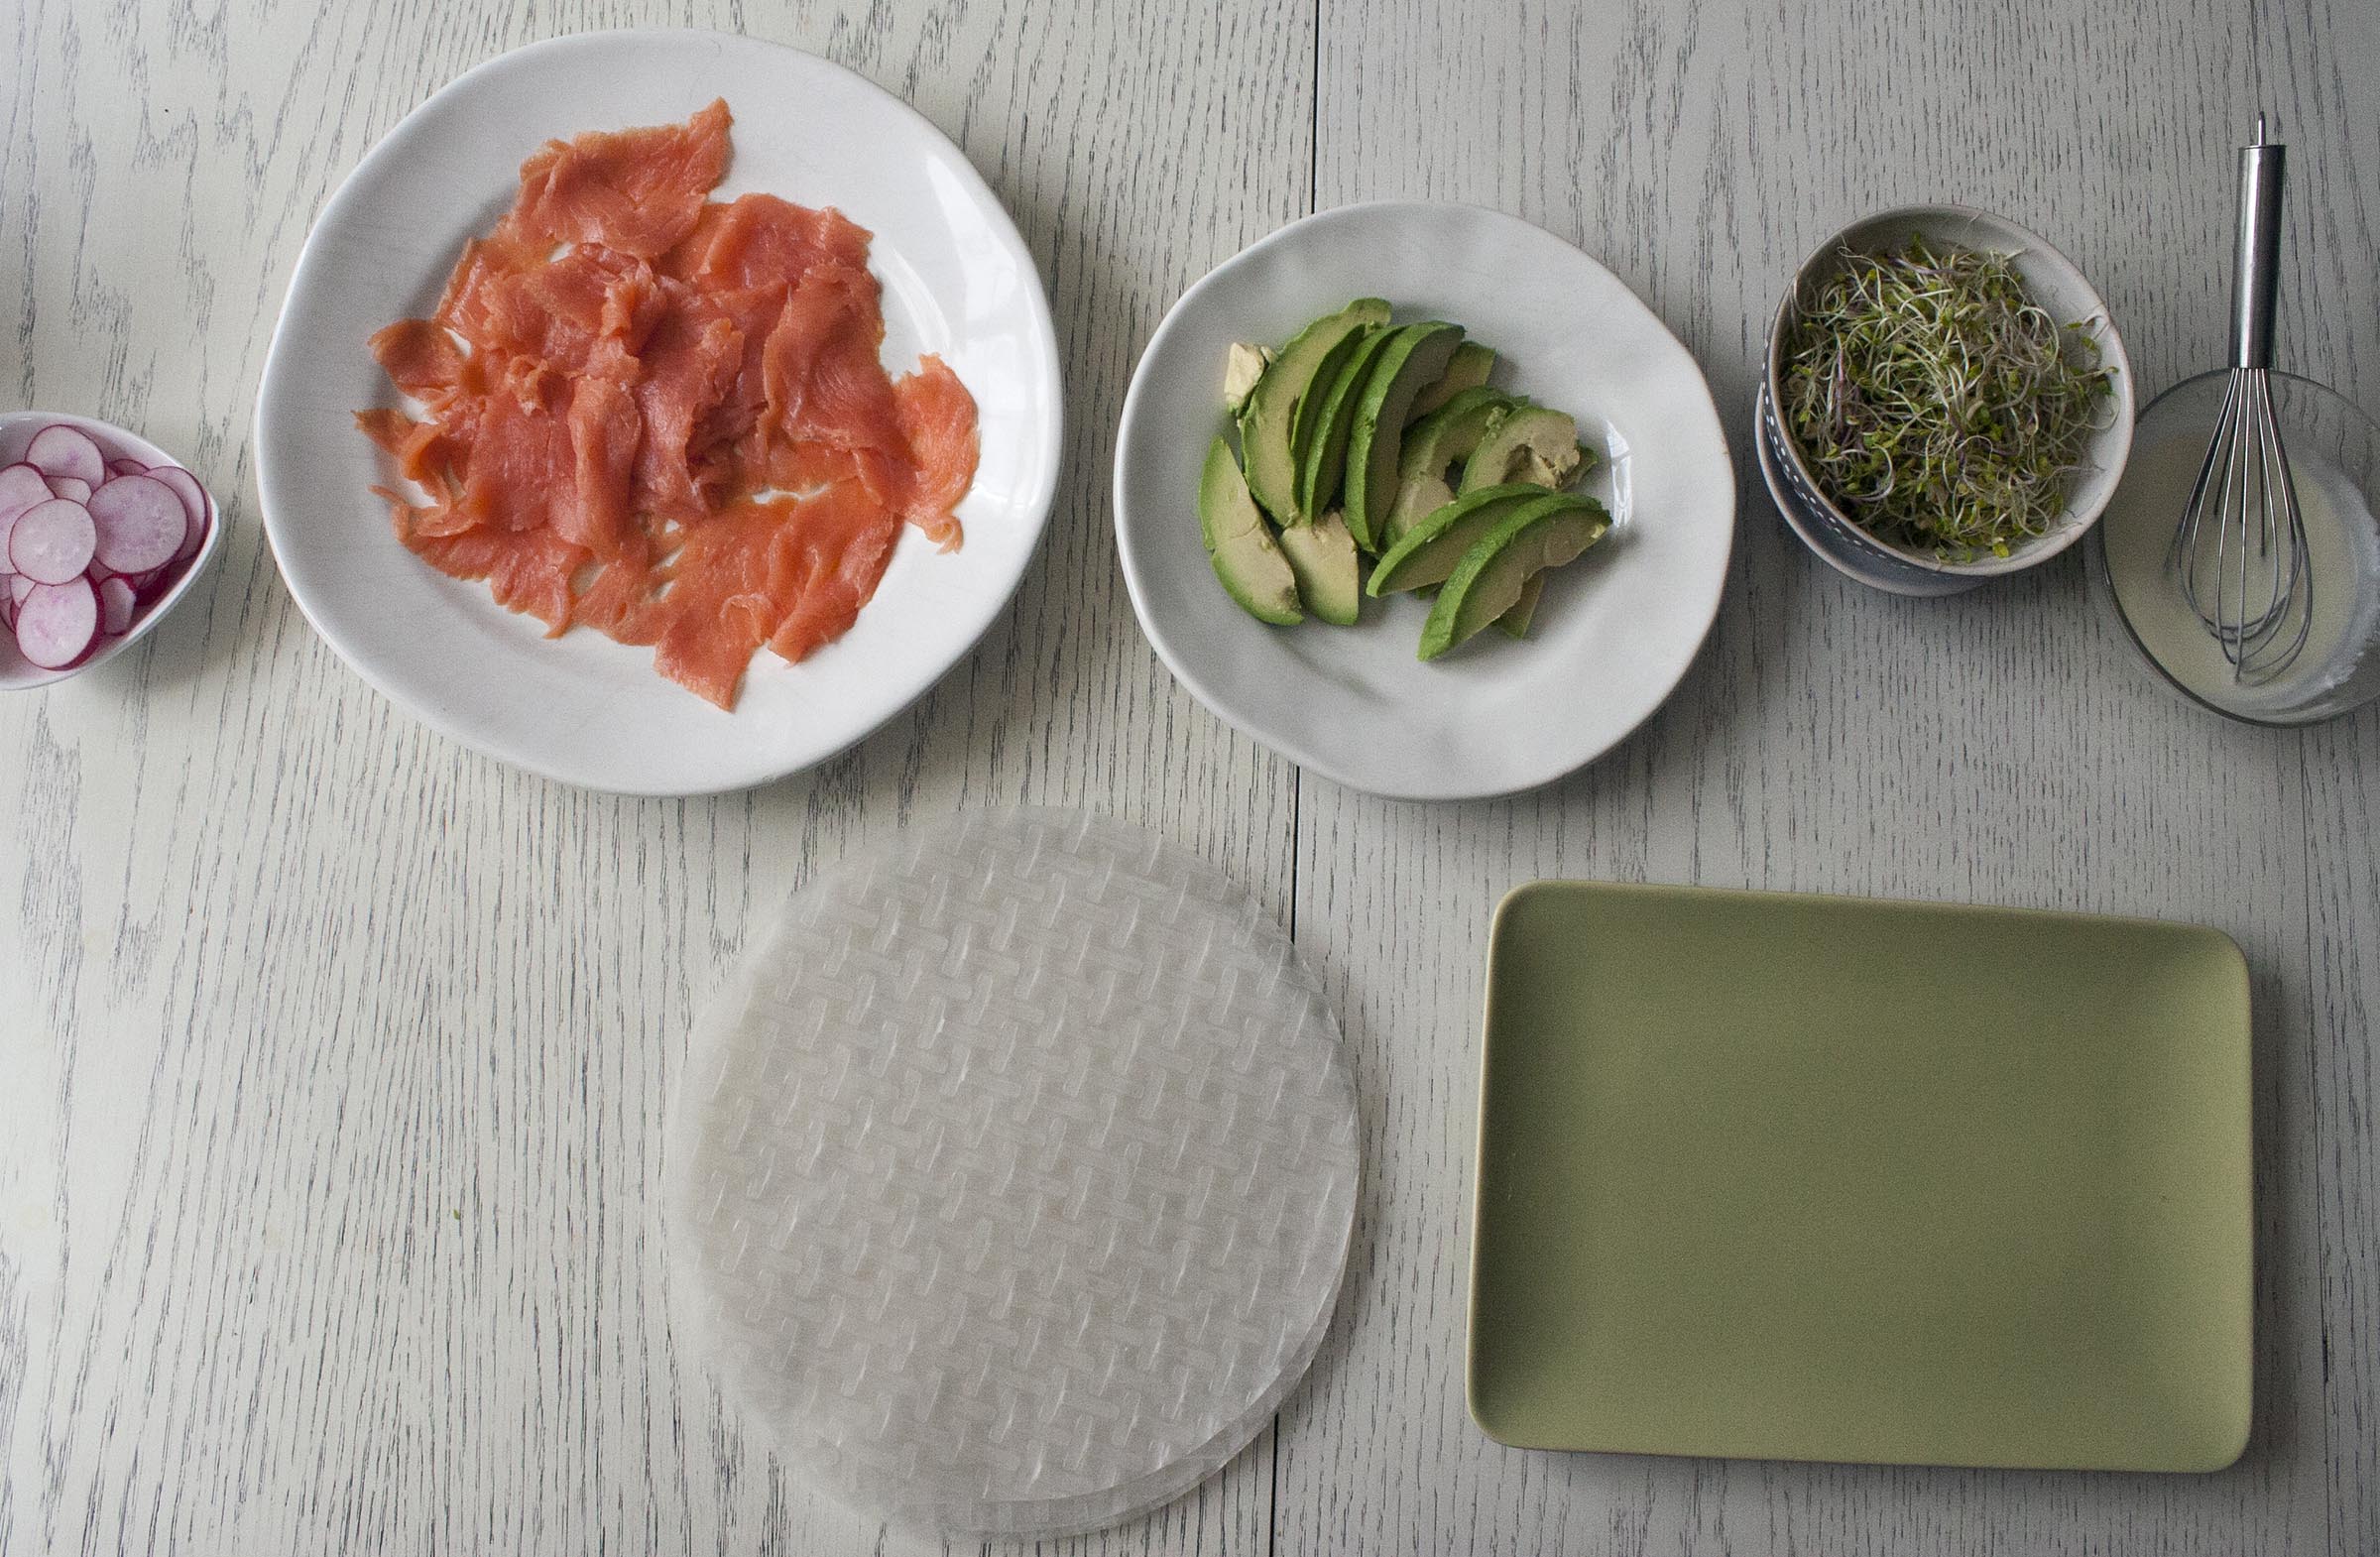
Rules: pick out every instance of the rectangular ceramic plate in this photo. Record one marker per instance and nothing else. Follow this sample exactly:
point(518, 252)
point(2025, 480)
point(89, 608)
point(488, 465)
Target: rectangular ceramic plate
point(1815, 1179)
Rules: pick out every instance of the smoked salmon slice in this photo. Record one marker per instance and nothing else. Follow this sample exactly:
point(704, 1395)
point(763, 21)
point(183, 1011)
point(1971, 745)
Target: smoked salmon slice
point(636, 191)
point(665, 418)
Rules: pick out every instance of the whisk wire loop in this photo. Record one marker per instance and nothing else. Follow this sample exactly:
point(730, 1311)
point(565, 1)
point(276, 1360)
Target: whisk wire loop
point(2239, 552)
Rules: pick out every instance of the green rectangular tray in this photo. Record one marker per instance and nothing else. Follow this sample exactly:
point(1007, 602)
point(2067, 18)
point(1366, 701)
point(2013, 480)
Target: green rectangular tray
point(1815, 1179)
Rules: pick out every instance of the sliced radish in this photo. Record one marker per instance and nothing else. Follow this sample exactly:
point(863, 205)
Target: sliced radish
point(195, 506)
point(68, 487)
point(19, 587)
point(140, 521)
point(117, 601)
point(52, 541)
point(21, 487)
point(57, 623)
point(8, 610)
point(60, 451)
point(126, 467)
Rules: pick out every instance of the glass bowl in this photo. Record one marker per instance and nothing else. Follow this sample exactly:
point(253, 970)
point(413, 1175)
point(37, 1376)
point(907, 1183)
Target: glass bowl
point(2335, 460)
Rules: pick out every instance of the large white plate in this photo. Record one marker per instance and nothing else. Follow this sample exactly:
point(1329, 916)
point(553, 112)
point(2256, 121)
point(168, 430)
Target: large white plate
point(1615, 631)
point(581, 708)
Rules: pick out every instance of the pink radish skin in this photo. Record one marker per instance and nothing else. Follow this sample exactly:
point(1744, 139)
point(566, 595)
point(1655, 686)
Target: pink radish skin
point(52, 542)
point(60, 451)
point(196, 506)
point(140, 524)
point(57, 623)
point(72, 489)
point(126, 467)
point(116, 602)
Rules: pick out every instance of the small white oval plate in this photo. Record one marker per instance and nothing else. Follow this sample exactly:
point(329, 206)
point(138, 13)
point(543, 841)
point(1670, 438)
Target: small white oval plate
point(582, 709)
point(1616, 630)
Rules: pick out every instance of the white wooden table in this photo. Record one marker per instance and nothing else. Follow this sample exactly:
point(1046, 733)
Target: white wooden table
point(332, 1057)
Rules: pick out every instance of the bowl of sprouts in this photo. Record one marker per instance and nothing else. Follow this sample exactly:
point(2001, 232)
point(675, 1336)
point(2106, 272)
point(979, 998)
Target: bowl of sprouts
point(1946, 401)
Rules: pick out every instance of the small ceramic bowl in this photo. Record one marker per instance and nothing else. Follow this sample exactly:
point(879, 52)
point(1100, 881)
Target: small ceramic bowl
point(17, 428)
point(2060, 288)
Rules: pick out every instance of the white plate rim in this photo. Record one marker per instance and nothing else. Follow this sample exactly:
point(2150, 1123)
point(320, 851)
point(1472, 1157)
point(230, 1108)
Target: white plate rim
point(1036, 506)
point(1288, 743)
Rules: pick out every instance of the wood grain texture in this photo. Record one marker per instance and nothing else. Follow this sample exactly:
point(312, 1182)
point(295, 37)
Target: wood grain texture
point(333, 1058)
point(1996, 748)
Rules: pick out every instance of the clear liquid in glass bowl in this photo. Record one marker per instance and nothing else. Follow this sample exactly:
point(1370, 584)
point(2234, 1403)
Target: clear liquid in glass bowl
point(2335, 458)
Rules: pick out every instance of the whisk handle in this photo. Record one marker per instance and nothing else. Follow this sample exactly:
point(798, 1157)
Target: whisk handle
point(2256, 273)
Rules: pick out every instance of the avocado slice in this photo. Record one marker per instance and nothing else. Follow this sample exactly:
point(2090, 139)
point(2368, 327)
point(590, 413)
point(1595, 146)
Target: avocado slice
point(1469, 368)
point(1417, 498)
point(1323, 460)
point(1323, 556)
point(1308, 414)
point(1533, 443)
point(1240, 545)
point(1492, 574)
point(1454, 429)
point(1270, 418)
point(1432, 443)
point(1243, 368)
point(1515, 622)
point(1415, 357)
point(1432, 550)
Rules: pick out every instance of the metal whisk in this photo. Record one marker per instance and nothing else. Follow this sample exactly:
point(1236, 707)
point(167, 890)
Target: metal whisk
point(2240, 551)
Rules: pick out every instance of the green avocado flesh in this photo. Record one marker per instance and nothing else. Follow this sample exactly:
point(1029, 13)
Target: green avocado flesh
point(1432, 550)
point(1532, 443)
point(1309, 413)
point(1468, 369)
point(1329, 578)
point(1268, 422)
point(1515, 622)
point(1495, 571)
point(1240, 545)
point(1414, 358)
point(1434, 443)
point(1324, 459)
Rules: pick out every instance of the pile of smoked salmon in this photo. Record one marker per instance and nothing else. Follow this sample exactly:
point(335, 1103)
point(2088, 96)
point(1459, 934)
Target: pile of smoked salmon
point(662, 416)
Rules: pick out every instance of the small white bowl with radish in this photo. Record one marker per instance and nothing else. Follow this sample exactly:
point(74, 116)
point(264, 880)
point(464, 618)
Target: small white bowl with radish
point(100, 534)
